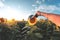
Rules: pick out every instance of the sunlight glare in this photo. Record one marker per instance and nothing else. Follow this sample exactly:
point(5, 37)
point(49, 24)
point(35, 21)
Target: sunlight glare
point(10, 13)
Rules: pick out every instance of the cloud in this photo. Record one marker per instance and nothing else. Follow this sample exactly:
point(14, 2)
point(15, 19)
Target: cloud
point(1, 4)
point(41, 6)
point(33, 5)
point(38, 2)
point(3, 0)
point(47, 8)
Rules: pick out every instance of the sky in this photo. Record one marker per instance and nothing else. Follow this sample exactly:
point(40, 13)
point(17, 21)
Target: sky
point(21, 9)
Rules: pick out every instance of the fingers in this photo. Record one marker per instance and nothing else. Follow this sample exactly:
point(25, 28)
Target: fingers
point(38, 13)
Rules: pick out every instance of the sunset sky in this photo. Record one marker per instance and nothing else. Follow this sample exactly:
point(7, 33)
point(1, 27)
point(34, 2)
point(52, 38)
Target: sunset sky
point(21, 9)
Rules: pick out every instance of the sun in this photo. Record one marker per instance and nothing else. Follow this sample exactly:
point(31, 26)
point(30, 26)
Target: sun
point(10, 13)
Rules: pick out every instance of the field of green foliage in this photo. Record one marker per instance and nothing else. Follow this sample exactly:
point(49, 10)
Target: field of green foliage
point(21, 30)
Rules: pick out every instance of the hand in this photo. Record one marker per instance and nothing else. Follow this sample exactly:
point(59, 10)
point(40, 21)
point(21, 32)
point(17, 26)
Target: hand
point(38, 13)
